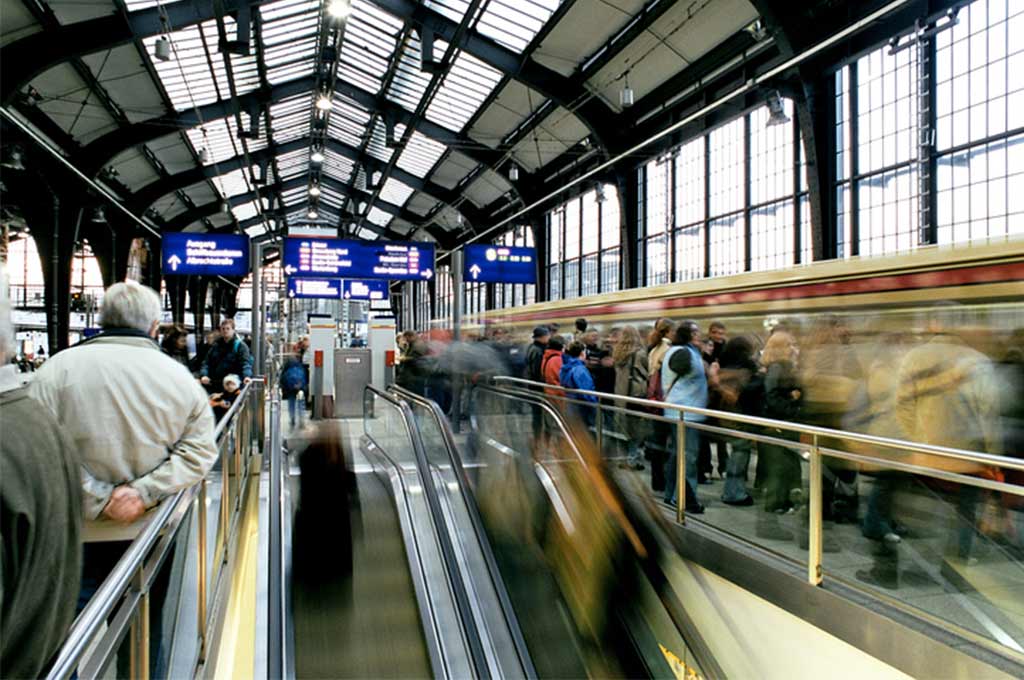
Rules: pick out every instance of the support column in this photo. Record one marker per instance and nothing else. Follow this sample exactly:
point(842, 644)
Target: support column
point(176, 287)
point(627, 182)
point(816, 116)
point(53, 229)
point(457, 294)
point(540, 241)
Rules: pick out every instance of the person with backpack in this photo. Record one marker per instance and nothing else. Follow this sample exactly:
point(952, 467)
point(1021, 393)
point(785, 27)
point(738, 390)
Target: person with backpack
point(227, 355)
point(685, 383)
point(293, 382)
point(658, 343)
point(741, 390)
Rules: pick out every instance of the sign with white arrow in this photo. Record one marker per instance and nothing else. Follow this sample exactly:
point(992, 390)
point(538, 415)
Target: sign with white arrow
point(371, 289)
point(205, 254)
point(500, 264)
point(322, 289)
point(340, 258)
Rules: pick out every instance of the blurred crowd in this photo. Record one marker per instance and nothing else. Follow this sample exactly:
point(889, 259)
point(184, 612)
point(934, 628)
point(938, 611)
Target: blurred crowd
point(945, 382)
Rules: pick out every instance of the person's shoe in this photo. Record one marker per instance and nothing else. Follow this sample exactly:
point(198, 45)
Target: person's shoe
point(889, 537)
point(637, 466)
point(705, 480)
point(695, 509)
point(743, 502)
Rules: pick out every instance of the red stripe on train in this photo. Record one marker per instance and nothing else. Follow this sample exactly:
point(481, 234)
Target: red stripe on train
point(879, 284)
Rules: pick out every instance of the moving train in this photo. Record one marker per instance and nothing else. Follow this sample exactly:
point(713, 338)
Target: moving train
point(985, 283)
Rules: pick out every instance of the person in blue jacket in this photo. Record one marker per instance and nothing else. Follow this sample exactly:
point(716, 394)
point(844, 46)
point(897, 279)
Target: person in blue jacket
point(575, 375)
point(228, 355)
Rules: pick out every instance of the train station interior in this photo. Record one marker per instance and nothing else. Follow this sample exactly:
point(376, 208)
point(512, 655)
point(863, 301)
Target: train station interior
point(512, 339)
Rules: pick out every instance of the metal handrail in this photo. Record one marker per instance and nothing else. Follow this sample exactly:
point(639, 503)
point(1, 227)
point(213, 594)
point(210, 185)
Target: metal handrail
point(799, 428)
point(129, 571)
point(462, 480)
point(444, 540)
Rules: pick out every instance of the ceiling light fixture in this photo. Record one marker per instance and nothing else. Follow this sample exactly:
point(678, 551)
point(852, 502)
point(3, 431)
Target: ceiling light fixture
point(99, 214)
point(323, 103)
point(312, 214)
point(314, 191)
point(225, 207)
point(162, 48)
point(204, 155)
point(776, 110)
point(316, 157)
point(338, 9)
point(626, 95)
point(513, 172)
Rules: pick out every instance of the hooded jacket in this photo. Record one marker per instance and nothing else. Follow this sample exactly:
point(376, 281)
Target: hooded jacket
point(551, 366)
point(574, 375)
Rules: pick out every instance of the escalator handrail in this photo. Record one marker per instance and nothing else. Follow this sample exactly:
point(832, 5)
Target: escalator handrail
point(706, 660)
point(462, 480)
point(447, 549)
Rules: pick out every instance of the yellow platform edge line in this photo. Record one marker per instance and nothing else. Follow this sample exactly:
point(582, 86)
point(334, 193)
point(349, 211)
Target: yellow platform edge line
point(236, 654)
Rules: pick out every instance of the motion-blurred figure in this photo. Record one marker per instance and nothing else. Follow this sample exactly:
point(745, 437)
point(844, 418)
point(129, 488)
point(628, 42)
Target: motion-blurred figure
point(783, 399)
point(741, 386)
point(631, 373)
point(948, 395)
point(575, 376)
point(684, 383)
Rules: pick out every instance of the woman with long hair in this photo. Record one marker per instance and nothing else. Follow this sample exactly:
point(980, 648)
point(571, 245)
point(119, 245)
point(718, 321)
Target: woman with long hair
point(658, 342)
point(175, 344)
point(631, 373)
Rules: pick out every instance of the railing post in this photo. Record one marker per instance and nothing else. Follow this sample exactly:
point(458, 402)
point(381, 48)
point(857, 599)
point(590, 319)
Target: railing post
point(814, 520)
point(225, 499)
point(681, 470)
point(202, 571)
point(598, 427)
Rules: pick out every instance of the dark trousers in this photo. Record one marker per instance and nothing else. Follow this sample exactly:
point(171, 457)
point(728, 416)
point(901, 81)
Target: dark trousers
point(782, 474)
point(98, 560)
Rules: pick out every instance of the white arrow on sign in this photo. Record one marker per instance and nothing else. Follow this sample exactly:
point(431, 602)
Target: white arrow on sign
point(475, 271)
point(347, 295)
point(291, 293)
point(289, 270)
point(174, 261)
point(426, 273)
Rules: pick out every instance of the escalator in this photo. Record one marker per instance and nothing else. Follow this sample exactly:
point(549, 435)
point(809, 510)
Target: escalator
point(562, 561)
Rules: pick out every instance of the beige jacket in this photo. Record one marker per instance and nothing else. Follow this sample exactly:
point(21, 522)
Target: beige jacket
point(135, 416)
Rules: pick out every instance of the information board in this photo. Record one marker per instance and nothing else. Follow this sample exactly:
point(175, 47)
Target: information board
point(209, 254)
point(321, 289)
point(331, 257)
point(499, 264)
point(371, 289)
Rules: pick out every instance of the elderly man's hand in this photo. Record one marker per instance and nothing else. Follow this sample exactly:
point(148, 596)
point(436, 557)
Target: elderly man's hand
point(246, 381)
point(204, 380)
point(125, 505)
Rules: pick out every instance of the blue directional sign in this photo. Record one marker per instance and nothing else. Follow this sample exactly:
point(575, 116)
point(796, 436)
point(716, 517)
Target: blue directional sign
point(331, 257)
point(322, 289)
point(500, 264)
point(210, 254)
point(353, 289)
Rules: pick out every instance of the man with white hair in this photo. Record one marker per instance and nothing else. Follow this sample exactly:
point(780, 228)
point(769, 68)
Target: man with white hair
point(40, 523)
point(139, 422)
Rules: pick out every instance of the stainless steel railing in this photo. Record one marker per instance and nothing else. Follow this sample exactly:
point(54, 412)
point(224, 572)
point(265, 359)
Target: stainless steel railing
point(121, 604)
point(818, 448)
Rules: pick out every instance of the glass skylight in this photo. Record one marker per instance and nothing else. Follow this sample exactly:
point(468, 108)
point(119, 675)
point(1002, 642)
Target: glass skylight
point(378, 217)
point(514, 23)
point(189, 78)
point(221, 141)
point(290, 118)
point(337, 166)
point(245, 211)
point(395, 192)
point(421, 153)
point(366, 234)
point(377, 146)
point(409, 83)
point(233, 183)
point(292, 164)
point(371, 38)
point(290, 32)
point(465, 87)
point(348, 121)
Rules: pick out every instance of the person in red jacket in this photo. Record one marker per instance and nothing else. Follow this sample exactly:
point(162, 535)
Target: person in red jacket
point(551, 364)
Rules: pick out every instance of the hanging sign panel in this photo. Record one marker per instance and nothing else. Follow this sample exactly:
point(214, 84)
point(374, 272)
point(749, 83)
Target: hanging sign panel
point(332, 257)
point(499, 264)
point(354, 289)
point(209, 254)
point(319, 289)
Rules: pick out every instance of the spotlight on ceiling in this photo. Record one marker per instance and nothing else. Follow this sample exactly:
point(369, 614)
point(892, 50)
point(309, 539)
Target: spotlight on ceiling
point(513, 172)
point(99, 214)
point(314, 191)
point(162, 48)
point(204, 155)
point(316, 157)
point(225, 207)
point(626, 95)
point(599, 193)
point(776, 111)
point(312, 214)
point(338, 9)
point(13, 158)
point(323, 103)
